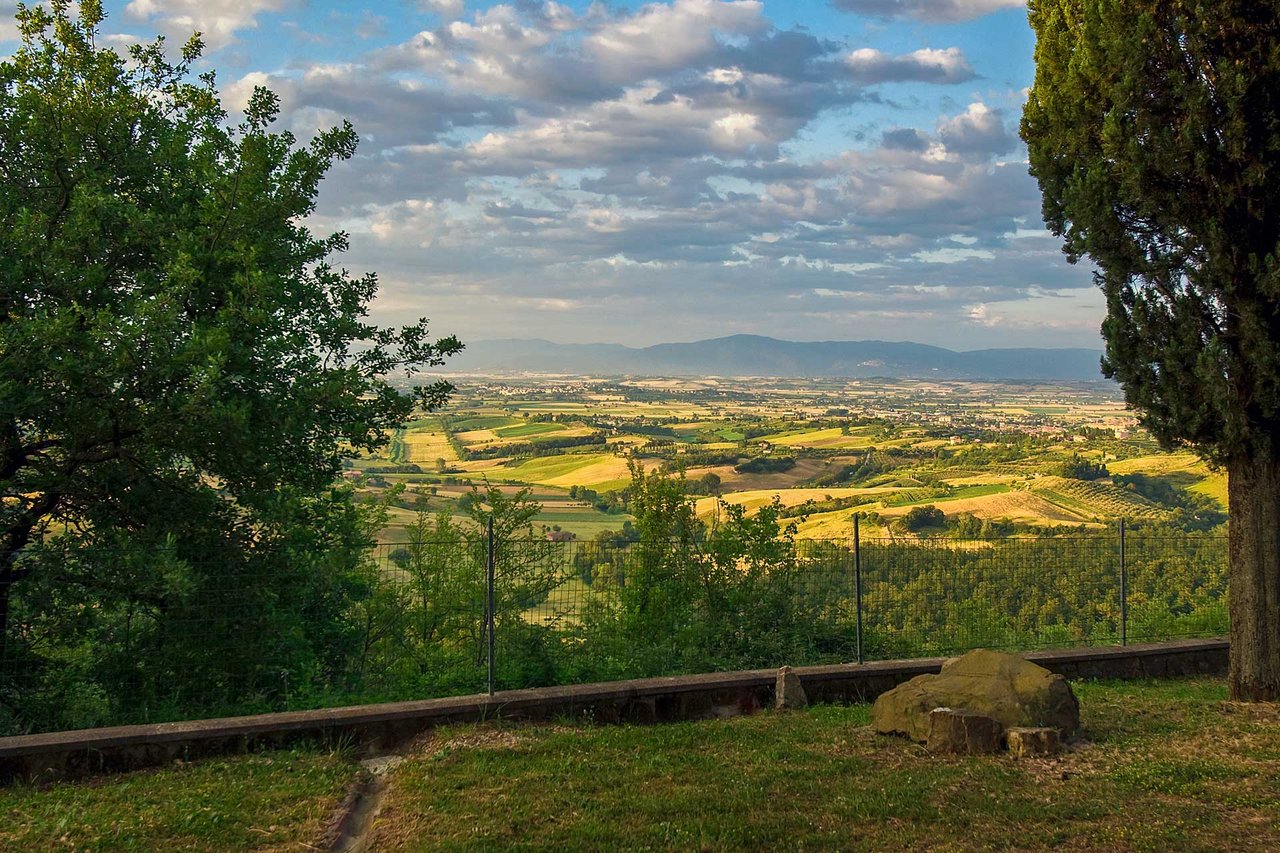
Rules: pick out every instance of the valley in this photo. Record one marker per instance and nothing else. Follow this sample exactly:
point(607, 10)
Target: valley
point(996, 459)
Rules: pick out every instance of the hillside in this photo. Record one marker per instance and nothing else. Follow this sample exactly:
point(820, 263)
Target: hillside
point(753, 355)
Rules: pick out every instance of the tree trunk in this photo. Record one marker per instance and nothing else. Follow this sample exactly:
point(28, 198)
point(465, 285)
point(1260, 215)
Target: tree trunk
point(1253, 491)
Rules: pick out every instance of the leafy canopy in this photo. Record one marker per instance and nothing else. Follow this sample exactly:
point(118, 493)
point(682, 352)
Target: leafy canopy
point(177, 350)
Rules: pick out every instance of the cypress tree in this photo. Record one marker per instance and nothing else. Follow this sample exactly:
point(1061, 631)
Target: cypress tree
point(1153, 128)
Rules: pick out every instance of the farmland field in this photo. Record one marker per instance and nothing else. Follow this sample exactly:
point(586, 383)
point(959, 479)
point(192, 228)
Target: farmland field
point(594, 470)
point(990, 453)
point(422, 442)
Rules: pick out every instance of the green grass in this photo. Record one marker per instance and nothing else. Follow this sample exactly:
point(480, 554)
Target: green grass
point(584, 521)
point(962, 493)
point(1171, 766)
point(525, 430)
point(273, 801)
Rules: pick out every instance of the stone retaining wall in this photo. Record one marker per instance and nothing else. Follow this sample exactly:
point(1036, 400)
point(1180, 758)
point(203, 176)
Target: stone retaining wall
point(379, 728)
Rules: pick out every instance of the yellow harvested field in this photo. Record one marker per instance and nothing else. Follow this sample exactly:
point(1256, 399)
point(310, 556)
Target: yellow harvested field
point(606, 470)
point(1173, 463)
point(731, 480)
point(827, 438)
point(755, 499)
point(593, 470)
point(480, 465)
point(425, 446)
point(983, 480)
point(837, 525)
point(477, 436)
point(1015, 506)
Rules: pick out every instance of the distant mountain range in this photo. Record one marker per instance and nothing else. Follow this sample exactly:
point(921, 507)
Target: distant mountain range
point(753, 355)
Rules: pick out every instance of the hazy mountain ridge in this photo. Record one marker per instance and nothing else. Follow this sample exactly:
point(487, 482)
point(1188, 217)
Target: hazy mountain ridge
point(754, 355)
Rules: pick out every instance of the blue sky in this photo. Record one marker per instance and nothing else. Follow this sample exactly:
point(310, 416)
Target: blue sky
point(647, 172)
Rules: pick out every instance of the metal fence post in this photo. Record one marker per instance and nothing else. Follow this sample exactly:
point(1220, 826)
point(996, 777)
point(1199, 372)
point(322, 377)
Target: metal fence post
point(1124, 591)
point(489, 615)
point(857, 581)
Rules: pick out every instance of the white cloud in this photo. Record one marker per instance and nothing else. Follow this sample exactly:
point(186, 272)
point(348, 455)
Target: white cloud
point(978, 130)
point(8, 24)
point(926, 65)
point(952, 255)
point(217, 21)
point(449, 10)
point(662, 38)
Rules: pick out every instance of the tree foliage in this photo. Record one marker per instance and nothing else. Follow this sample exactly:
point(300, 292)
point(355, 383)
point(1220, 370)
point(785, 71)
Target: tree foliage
point(182, 367)
point(177, 349)
point(1154, 131)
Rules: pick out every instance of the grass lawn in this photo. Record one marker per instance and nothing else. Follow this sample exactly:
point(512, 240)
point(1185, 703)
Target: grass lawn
point(1169, 765)
point(1172, 766)
point(272, 801)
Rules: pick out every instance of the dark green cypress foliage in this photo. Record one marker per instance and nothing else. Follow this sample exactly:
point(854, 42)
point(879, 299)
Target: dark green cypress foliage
point(1153, 128)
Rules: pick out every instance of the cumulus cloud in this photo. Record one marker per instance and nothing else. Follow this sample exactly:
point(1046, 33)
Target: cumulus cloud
point(450, 10)
point(663, 38)
point(8, 26)
point(926, 65)
point(979, 130)
point(389, 112)
point(905, 139)
point(217, 21)
point(932, 11)
point(602, 167)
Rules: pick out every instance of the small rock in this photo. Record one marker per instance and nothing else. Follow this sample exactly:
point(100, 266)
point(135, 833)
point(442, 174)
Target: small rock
point(961, 732)
point(1026, 740)
point(789, 692)
point(381, 764)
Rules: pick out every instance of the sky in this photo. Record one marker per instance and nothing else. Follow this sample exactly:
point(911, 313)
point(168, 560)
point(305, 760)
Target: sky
point(647, 172)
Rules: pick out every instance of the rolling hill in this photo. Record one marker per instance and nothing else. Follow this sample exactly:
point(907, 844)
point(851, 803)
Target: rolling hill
point(753, 355)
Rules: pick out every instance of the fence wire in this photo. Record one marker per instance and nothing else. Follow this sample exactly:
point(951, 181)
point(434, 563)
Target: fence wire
point(98, 638)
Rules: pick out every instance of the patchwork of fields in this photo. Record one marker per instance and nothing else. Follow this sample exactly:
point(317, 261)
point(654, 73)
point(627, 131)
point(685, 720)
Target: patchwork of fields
point(972, 450)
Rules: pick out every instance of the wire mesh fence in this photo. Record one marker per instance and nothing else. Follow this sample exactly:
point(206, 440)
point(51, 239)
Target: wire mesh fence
point(108, 638)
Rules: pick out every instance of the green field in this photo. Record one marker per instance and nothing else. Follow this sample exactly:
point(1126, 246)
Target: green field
point(476, 423)
point(994, 451)
point(593, 470)
point(822, 438)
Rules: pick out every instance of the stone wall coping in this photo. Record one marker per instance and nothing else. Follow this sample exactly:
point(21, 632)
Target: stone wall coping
point(424, 713)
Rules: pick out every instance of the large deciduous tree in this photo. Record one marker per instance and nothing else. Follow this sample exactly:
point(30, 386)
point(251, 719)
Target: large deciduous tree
point(1154, 130)
point(178, 357)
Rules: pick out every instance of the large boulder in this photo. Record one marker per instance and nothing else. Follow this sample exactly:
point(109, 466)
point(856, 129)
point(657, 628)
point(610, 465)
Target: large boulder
point(1007, 688)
